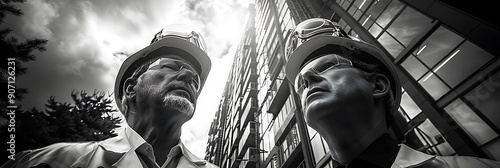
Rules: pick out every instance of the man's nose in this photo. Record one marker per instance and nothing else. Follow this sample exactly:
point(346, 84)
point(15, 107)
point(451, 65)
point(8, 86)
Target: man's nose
point(310, 76)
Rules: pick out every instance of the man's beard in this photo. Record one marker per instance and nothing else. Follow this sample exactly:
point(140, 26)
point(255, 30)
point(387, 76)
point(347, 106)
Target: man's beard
point(179, 103)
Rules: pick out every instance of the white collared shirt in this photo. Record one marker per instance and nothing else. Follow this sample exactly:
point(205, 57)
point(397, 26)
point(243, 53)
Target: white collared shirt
point(120, 151)
point(408, 157)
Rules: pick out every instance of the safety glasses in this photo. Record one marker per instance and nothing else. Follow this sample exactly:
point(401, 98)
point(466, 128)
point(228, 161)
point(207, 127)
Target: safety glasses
point(319, 68)
point(176, 66)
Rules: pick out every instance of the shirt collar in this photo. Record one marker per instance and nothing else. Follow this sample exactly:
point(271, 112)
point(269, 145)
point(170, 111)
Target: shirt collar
point(380, 153)
point(408, 157)
point(128, 140)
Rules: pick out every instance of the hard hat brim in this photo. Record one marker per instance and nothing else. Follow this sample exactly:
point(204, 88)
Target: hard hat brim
point(147, 54)
point(301, 54)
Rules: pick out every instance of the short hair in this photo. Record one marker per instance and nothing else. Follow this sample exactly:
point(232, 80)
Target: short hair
point(137, 73)
point(368, 69)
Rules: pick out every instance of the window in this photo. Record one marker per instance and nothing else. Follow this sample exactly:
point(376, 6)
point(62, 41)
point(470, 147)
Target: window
point(430, 140)
point(433, 85)
point(443, 61)
point(317, 147)
point(437, 46)
point(409, 106)
point(389, 13)
point(291, 142)
point(414, 67)
point(479, 131)
point(377, 8)
point(408, 25)
point(393, 46)
point(486, 97)
point(462, 62)
point(482, 100)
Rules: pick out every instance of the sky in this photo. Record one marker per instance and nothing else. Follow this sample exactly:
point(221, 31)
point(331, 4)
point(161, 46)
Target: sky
point(89, 39)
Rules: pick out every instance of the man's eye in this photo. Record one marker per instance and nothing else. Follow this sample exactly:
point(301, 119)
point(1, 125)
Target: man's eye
point(326, 66)
point(170, 67)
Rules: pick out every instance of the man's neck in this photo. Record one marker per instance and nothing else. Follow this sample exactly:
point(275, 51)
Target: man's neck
point(162, 147)
point(346, 147)
point(164, 140)
point(379, 154)
point(161, 137)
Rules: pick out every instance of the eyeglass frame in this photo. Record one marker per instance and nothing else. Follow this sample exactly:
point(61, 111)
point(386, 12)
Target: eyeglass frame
point(299, 88)
point(182, 64)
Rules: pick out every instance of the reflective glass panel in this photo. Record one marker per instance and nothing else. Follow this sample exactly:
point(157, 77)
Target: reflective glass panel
point(462, 63)
point(311, 131)
point(437, 46)
point(409, 106)
point(408, 25)
point(377, 8)
point(317, 147)
point(414, 67)
point(486, 98)
point(361, 4)
point(493, 149)
point(357, 15)
point(366, 21)
point(433, 85)
point(390, 44)
point(346, 4)
point(434, 137)
point(389, 13)
point(375, 30)
point(479, 131)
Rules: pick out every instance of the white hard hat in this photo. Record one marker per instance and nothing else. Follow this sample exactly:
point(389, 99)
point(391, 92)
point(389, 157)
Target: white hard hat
point(181, 40)
point(322, 35)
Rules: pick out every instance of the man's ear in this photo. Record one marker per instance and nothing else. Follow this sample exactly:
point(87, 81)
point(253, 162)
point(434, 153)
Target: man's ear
point(381, 85)
point(128, 89)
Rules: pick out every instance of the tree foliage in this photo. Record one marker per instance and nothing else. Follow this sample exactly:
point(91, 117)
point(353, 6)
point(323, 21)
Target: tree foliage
point(15, 46)
point(90, 118)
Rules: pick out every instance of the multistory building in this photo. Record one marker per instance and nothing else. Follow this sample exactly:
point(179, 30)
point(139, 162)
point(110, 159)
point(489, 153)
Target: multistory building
point(447, 60)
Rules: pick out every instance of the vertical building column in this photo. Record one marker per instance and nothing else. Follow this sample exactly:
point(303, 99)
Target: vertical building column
point(303, 133)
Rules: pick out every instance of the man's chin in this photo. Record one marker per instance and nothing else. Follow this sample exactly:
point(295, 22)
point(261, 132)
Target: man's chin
point(317, 110)
point(179, 103)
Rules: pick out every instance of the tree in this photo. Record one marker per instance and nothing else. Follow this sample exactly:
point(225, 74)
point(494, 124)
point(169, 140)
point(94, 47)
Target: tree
point(12, 47)
point(90, 118)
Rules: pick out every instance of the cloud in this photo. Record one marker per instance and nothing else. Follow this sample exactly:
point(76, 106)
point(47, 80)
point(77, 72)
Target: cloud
point(88, 41)
point(221, 22)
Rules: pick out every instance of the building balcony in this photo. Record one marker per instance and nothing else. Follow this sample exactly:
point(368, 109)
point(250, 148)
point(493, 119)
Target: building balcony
point(249, 109)
point(249, 160)
point(251, 91)
point(248, 138)
point(280, 97)
point(250, 77)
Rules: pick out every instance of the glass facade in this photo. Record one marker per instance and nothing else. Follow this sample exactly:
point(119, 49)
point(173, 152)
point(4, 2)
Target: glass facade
point(450, 85)
point(441, 62)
